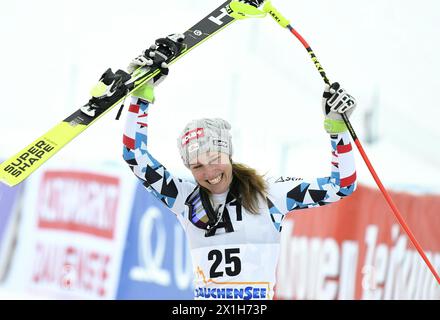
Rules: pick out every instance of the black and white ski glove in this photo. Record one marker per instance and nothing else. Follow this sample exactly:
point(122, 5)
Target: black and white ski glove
point(254, 3)
point(158, 55)
point(335, 102)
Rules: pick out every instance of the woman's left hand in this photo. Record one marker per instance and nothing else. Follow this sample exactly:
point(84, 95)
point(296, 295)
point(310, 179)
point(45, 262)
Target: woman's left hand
point(336, 101)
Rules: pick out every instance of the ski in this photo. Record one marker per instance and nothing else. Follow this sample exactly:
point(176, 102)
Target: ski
point(17, 168)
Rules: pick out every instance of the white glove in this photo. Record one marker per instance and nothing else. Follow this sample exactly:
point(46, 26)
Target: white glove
point(335, 102)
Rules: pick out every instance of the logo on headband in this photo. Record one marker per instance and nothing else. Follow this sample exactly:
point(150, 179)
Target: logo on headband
point(220, 143)
point(193, 147)
point(191, 135)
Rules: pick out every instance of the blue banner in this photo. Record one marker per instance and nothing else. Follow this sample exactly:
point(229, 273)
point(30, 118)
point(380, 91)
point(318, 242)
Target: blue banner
point(8, 199)
point(156, 261)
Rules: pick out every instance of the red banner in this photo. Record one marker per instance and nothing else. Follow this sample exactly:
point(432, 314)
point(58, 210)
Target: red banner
point(79, 202)
point(71, 239)
point(355, 249)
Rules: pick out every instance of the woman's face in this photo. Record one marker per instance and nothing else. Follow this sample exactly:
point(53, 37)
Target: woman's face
point(213, 171)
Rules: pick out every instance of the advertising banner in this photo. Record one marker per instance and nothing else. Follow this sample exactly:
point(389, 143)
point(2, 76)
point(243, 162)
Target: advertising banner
point(355, 249)
point(157, 262)
point(72, 234)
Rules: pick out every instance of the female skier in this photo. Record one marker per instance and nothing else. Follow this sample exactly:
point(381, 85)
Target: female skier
point(231, 215)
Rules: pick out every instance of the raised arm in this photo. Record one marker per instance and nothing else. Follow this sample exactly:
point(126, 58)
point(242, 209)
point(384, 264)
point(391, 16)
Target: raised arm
point(171, 190)
point(287, 194)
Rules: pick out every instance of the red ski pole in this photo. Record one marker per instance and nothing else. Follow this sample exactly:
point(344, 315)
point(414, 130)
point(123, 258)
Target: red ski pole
point(268, 7)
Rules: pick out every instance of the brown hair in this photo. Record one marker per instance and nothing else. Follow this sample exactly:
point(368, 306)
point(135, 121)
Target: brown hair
point(250, 185)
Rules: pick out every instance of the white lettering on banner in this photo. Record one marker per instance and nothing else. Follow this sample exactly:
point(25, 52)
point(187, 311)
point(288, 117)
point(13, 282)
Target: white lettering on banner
point(315, 268)
point(151, 260)
point(350, 252)
point(368, 274)
point(71, 269)
point(78, 202)
point(301, 246)
point(313, 246)
point(310, 268)
point(396, 272)
point(395, 261)
point(327, 285)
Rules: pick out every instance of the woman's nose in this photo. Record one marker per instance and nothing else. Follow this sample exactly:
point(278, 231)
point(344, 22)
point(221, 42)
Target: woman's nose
point(209, 172)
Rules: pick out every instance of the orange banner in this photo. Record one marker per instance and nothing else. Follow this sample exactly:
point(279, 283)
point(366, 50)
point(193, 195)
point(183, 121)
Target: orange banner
point(355, 249)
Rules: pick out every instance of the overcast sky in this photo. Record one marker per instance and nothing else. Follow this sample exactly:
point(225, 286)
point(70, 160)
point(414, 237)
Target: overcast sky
point(254, 74)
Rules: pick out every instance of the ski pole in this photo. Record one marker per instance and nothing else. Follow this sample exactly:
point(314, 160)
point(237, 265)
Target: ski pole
point(283, 22)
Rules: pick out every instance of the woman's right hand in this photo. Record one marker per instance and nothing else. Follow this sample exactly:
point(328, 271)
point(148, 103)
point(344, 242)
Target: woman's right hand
point(162, 51)
point(158, 55)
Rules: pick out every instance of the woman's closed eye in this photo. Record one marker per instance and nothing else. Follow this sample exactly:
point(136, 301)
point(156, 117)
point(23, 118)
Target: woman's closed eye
point(215, 160)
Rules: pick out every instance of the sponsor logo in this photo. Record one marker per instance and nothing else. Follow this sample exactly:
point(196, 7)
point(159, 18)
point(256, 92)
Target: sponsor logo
point(198, 33)
point(193, 147)
point(28, 158)
point(220, 143)
point(245, 293)
point(191, 135)
point(238, 290)
point(285, 179)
